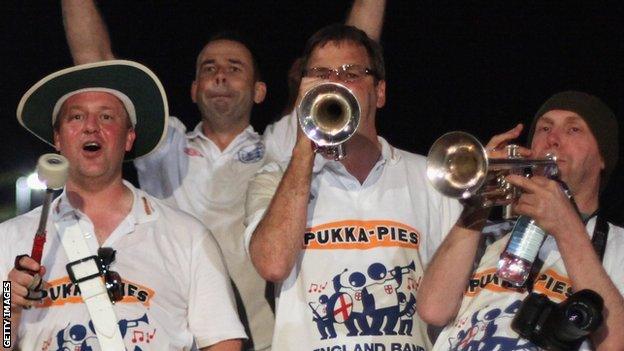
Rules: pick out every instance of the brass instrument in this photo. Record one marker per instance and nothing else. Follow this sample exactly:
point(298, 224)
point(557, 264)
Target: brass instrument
point(458, 167)
point(329, 114)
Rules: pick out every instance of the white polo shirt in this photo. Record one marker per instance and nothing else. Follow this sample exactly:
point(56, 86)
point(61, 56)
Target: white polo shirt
point(361, 236)
point(190, 172)
point(489, 305)
point(176, 290)
point(280, 137)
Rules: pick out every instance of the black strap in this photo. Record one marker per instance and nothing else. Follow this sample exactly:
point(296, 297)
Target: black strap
point(535, 269)
point(599, 239)
point(599, 242)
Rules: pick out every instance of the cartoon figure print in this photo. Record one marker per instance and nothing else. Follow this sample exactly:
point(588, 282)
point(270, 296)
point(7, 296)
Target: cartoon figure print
point(481, 333)
point(408, 309)
point(323, 321)
point(368, 304)
point(78, 337)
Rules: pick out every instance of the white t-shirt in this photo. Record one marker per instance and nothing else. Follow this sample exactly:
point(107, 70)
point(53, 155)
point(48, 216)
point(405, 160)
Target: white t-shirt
point(489, 306)
point(176, 290)
point(190, 172)
point(383, 232)
point(280, 137)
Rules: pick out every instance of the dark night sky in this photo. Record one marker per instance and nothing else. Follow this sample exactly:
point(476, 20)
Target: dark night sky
point(472, 67)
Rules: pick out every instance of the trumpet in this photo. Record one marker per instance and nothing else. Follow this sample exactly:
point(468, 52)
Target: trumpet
point(329, 114)
point(404, 269)
point(458, 167)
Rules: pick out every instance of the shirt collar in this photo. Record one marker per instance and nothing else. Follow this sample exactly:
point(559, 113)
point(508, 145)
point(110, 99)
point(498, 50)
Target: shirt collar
point(61, 207)
point(142, 208)
point(388, 152)
point(198, 132)
point(388, 155)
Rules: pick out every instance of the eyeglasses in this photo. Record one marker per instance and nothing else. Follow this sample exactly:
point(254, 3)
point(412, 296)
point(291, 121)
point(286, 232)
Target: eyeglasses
point(344, 73)
point(112, 279)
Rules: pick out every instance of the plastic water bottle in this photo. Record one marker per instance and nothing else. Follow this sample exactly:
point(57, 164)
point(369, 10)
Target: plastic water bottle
point(514, 265)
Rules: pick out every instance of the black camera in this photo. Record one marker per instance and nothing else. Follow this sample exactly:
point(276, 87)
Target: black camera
point(561, 326)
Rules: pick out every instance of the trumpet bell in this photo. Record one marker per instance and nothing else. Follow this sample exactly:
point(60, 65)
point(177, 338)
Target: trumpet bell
point(457, 165)
point(329, 114)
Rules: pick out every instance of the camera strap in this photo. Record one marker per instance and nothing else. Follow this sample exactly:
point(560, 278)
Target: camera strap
point(599, 239)
point(599, 242)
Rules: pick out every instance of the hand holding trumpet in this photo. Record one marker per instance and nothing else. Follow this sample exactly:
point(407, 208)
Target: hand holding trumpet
point(544, 200)
point(459, 166)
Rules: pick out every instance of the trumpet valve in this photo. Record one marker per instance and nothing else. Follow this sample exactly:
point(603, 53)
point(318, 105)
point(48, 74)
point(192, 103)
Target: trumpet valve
point(503, 184)
point(513, 151)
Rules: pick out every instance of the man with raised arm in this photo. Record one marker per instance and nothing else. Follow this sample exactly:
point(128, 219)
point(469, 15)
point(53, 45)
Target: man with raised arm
point(476, 305)
point(205, 171)
point(343, 239)
point(108, 242)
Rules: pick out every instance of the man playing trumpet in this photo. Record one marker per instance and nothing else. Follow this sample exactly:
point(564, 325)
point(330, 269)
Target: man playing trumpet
point(476, 306)
point(315, 217)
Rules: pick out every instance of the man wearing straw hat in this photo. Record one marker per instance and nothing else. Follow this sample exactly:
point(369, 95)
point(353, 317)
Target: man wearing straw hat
point(169, 289)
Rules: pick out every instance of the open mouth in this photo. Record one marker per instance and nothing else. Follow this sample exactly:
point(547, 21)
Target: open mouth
point(91, 146)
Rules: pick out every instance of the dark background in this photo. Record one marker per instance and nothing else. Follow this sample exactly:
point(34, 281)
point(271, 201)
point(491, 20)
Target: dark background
point(476, 66)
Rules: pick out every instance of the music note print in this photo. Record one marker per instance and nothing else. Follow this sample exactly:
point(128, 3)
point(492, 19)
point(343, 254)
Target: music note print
point(140, 334)
point(150, 336)
point(317, 287)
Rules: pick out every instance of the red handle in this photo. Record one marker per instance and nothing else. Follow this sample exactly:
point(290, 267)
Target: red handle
point(37, 249)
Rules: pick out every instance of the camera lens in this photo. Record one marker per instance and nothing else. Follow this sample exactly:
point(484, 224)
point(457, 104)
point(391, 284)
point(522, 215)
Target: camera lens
point(580, 315)
point(575, 321)
point(577, 315)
